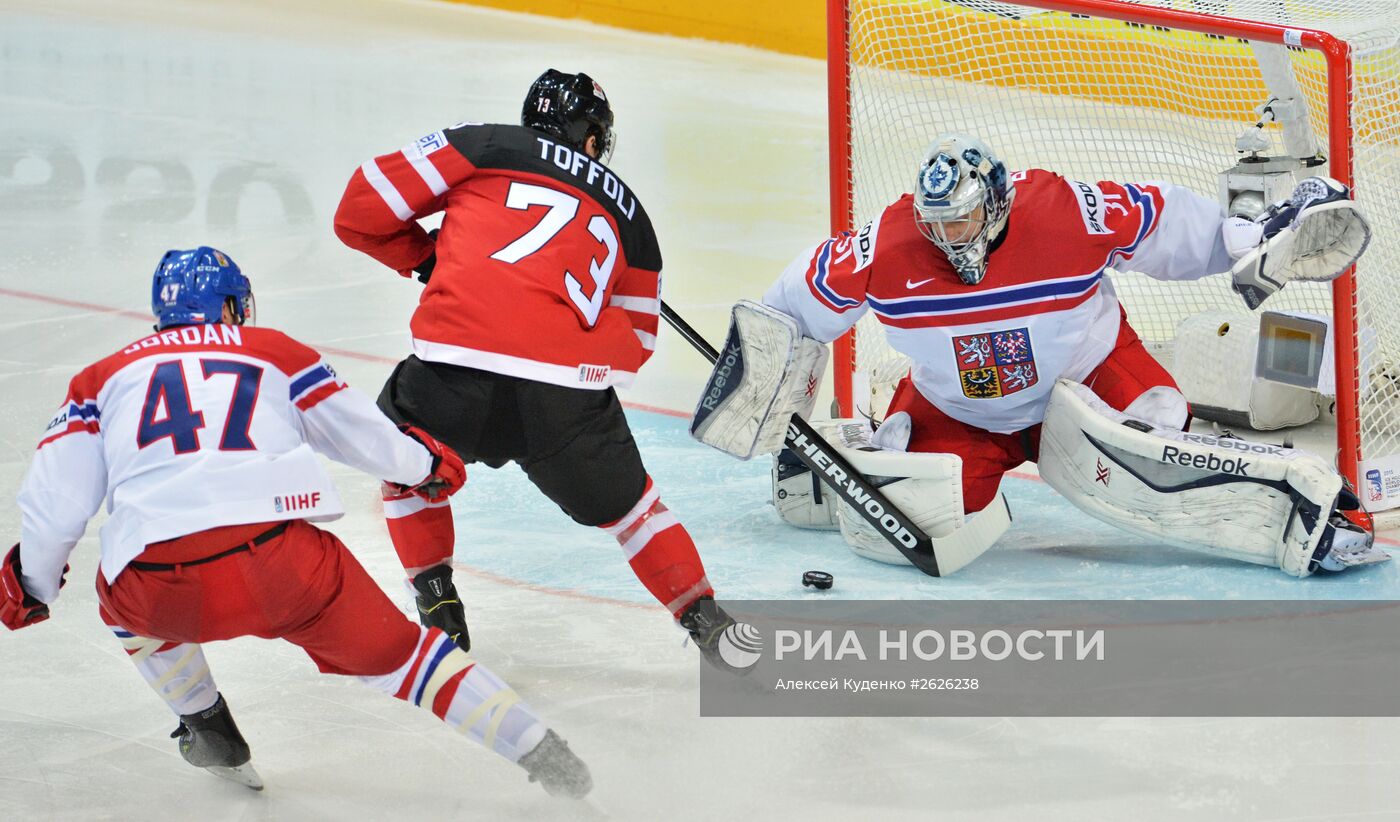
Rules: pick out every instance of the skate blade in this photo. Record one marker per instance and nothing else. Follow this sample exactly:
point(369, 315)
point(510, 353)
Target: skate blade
point(244, 775)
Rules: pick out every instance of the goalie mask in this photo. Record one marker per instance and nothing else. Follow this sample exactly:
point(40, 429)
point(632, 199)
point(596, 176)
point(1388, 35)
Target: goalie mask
point(193, 286)
point(570, 107)
point(961, 201)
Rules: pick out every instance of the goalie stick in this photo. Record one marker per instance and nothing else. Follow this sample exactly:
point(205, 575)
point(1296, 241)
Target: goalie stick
point(934, 556)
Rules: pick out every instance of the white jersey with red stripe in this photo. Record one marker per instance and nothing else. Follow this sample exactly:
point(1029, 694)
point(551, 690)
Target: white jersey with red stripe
point(192, 428)
point(547, 267)
point(988, 354)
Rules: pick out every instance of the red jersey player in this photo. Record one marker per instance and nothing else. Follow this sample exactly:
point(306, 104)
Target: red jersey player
point(994, 285)
point(201, 439)
point(542, 295)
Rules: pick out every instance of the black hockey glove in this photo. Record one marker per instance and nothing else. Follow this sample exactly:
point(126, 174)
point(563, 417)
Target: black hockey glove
point(425, 268)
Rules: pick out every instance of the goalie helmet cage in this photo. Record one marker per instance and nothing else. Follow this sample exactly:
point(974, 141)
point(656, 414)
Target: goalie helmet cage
point(1137, 90)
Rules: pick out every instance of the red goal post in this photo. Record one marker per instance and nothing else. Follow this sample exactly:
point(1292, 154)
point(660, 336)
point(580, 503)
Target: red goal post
point(936, 41)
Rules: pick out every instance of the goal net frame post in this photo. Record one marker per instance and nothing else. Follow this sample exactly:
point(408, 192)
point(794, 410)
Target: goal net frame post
point(1336, 54)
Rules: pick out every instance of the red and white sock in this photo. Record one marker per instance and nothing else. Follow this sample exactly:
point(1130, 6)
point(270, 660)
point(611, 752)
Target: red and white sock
point(661, 552)
point(177, 671)
point(466, 695)
point(421, 531)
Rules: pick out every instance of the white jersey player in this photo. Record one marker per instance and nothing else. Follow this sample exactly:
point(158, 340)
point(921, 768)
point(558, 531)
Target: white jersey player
point(202, 441)
point(994, 284)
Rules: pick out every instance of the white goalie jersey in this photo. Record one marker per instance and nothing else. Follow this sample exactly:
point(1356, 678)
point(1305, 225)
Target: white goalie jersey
point(988, 354)
point(192, 428)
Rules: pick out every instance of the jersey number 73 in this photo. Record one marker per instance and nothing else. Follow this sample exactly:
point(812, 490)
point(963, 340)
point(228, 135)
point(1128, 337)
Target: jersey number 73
point(562, 208)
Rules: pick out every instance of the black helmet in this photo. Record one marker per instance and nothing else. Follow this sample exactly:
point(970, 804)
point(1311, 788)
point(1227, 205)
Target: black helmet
point(570, 107)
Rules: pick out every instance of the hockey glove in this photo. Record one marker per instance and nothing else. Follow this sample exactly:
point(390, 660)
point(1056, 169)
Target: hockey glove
point(17, 608)
point(425, 268)
point(447, 475)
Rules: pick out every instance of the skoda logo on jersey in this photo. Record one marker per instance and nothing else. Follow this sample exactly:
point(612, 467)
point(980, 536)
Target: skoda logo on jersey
point(938, 180)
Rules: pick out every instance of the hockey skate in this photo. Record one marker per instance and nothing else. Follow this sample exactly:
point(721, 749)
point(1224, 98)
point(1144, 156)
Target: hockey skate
point(706, 622)
point(440, 607)
point(1350, 541)
point(210, 740)
point(557, 769)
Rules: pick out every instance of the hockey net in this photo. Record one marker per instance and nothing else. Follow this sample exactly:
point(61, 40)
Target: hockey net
point(1134, 91)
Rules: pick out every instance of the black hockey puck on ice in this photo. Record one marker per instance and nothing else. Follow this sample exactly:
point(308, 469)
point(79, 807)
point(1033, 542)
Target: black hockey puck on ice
point(820, 580)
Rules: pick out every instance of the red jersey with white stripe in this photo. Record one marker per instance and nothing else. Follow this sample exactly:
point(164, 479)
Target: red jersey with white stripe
point(547, 265)
point(988, 354)
point(192, 428)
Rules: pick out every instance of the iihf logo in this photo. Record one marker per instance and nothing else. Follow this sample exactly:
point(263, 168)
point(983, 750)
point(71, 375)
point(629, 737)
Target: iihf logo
point(741, 645)
point(296, 502)
point(1374, 491)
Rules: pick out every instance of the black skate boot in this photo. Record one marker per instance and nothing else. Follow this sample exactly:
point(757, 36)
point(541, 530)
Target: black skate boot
point(556, 768)
point(210, 740)
point(439, 607)
point(706, 622)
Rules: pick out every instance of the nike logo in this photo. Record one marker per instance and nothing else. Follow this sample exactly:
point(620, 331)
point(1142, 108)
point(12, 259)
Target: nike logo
point(911, 284)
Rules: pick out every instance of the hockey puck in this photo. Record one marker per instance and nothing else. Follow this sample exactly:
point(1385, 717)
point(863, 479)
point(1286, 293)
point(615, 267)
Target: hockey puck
point(820, 580)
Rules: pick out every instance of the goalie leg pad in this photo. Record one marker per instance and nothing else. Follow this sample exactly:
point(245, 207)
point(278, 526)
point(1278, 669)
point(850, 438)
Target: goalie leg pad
point(766, 372)
point(1250, 501)
point(799, 496)
point(926, 487)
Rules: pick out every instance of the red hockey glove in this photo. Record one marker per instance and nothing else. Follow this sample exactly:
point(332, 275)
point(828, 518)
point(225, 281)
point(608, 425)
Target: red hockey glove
point(17, 608)
point(448, 473)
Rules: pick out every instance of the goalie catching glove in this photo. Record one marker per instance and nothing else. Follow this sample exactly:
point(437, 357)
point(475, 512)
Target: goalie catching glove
point(1313, 236)
point(1250, 501)
point(766, 372)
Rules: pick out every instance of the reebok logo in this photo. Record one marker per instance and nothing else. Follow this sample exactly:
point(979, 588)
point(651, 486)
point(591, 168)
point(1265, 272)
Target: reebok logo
point(1232, 444)
point(1206, 462)
point(732, 357)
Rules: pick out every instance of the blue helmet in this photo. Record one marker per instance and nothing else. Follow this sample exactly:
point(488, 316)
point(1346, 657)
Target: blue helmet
point(192, 286)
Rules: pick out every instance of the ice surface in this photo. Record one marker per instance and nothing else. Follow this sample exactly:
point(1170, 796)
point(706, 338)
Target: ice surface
point(126, 129)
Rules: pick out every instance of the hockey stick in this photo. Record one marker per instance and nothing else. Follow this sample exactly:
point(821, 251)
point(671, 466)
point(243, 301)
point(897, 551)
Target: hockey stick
point(935, 557)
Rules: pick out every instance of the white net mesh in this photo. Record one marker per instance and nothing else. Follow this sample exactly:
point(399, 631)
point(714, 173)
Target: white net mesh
point(1095, 98)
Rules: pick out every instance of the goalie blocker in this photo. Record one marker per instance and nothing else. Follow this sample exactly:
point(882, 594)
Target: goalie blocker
point(1245, 500)
point(766, 372)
